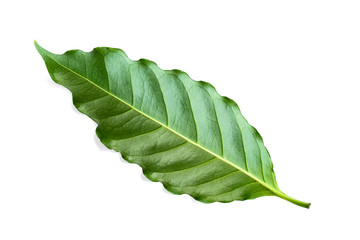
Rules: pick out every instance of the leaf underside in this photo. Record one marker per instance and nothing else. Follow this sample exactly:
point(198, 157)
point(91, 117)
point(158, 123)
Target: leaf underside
point(180, 131)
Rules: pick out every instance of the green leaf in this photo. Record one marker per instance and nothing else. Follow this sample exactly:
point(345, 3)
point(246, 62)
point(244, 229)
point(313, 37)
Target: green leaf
point(180, 131)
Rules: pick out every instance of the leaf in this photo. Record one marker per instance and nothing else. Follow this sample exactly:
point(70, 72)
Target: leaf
point(180, 131)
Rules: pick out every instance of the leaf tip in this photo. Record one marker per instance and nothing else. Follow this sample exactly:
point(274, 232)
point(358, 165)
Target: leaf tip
point(40, 50)
point(37, 46)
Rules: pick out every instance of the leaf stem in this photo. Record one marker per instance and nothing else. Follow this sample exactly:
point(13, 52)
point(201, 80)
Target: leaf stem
point(293, 200)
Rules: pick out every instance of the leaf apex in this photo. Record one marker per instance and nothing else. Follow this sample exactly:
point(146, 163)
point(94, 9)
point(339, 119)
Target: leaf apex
point(38, 47)
point(36, 44)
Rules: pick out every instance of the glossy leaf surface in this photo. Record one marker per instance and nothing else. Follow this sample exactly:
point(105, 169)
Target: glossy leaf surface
point(180, 131)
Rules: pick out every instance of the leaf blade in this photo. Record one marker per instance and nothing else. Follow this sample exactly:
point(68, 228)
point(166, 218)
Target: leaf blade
point(152, 112)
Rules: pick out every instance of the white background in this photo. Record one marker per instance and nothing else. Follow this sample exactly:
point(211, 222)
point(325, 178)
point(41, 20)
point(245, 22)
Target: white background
point(292, 66)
